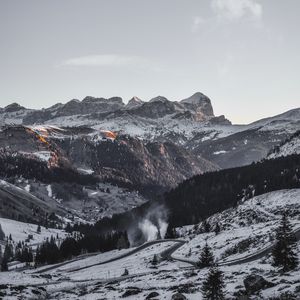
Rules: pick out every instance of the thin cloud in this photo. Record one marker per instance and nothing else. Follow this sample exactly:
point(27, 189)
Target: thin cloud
point(237, 9)
point(111, 60)
point(197, 22)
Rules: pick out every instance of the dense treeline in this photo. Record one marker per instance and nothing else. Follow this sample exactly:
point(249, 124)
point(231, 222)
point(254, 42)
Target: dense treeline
point(15, 164)
point(50, 252)
point(203, 195)
point(21, 253)
point(55, 250)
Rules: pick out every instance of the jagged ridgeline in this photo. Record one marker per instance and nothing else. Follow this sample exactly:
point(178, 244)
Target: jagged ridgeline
point(203, 195)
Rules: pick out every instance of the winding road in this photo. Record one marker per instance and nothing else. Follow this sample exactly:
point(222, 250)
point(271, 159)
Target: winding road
point(166, 254)
point(254, 256)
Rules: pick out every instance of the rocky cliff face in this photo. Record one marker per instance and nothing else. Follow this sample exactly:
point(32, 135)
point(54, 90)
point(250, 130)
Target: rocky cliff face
point(189, 123)
point(111, 157)
point(198, 107)
point(134, 102)
point(90, 173)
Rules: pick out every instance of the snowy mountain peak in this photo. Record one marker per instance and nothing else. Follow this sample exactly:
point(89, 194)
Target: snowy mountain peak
point(115, 100)
point(199, 103)
point(13, 107)
point(134, 102)
point(159, 99)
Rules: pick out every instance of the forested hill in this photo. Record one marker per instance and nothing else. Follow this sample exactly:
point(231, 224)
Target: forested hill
point(204, 195)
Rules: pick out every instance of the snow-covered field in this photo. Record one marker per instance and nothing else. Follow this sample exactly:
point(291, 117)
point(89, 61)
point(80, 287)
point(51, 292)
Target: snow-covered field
point(250, 226)
point(288, 148)
point(137, 263)
point(19, 231)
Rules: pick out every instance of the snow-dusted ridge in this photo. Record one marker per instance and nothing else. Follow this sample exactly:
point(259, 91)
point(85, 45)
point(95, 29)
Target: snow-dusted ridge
point(254, 219)
point(188, 123)
point(290, 146)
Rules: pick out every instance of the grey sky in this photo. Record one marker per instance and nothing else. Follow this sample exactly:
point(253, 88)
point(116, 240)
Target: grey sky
point(244, 54)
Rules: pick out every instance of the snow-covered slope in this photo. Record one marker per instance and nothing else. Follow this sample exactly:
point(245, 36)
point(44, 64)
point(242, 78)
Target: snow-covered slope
point(288, 147)
point(18, 203)
point(189, 123)
point(244, 230)
point(20, 231)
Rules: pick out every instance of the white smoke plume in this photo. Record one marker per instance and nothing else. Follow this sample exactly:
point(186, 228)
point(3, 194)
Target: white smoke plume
point(149, 230)
point(154, 225)
point(162, 225)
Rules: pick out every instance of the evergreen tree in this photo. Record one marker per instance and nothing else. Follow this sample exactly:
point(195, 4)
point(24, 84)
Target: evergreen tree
point(8, 252)
point(2, 234)
point(69, 247)
point(170, 233)
point(284, 252)
point(217, 229)
point(154, 261)
point(122, 241)
point(68, 228)
point(30, 255)
point(26, 255)
point(205, 226)
point(38, 256)
point(39, 229)
point(18, 254)
point(7, 256)
point(4, 266)
point(206, 257)
point(48, 252)
point(126, 272)
point(158, 237)
point(213, 286)
point(53, 254)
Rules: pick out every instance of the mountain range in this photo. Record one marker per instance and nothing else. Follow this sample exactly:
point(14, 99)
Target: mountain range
point(137, 151)
point(81, 182)
point(189, 123)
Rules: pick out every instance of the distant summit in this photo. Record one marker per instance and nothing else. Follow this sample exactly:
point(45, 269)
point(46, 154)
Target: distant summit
point(13, 107)
point(199, 103)
point(197, 108)
point(134, 102)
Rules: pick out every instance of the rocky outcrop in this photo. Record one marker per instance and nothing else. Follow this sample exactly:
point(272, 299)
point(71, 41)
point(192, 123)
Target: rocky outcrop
point(152, 295)
point(13, 107)
point(157, 107)
point(220, 120)
point(142, 164)
point(200, 104)
point(120, 159)
point(89, 105)
point(254, 283)
point(134, 102)
point(178, 296)
point(198, 107)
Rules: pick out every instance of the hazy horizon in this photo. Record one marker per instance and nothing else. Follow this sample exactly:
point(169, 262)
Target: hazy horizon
point(242, 54)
